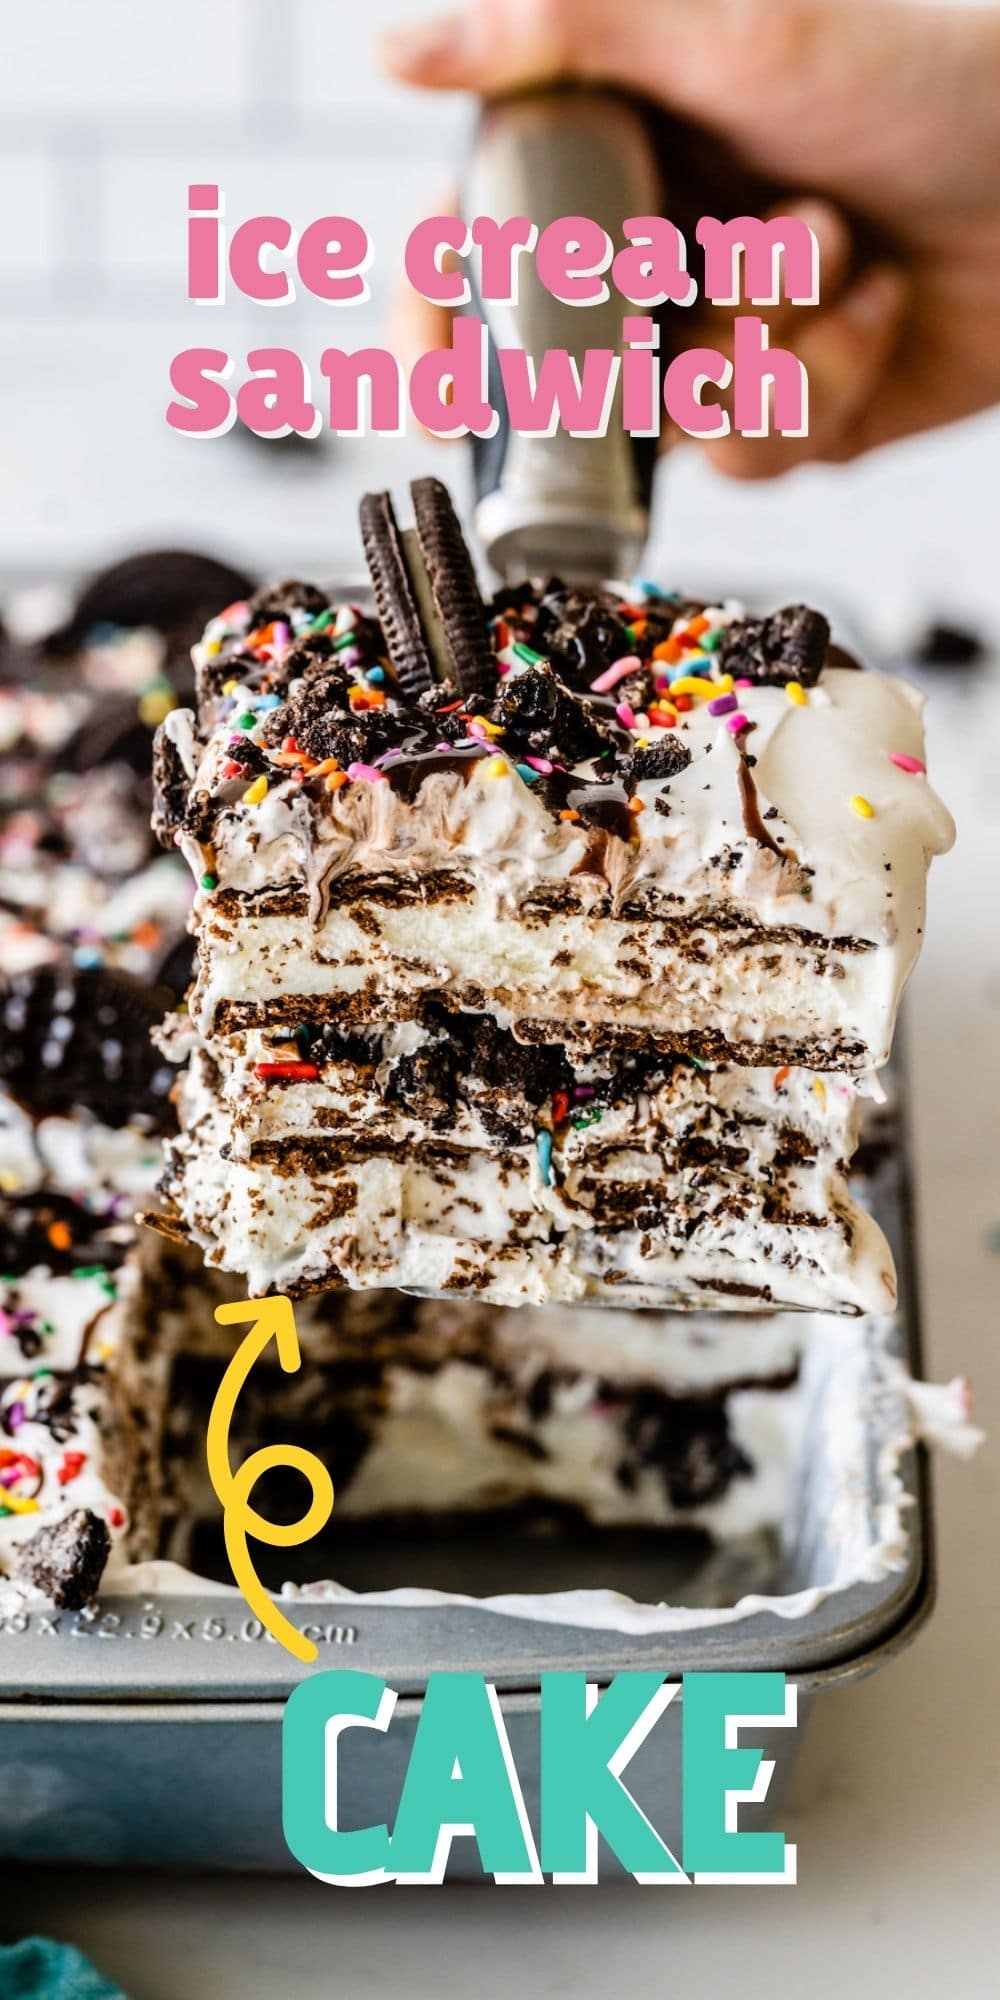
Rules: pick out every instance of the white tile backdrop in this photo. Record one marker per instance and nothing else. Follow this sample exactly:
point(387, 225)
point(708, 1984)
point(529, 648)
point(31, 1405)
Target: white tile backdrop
point(108, 108)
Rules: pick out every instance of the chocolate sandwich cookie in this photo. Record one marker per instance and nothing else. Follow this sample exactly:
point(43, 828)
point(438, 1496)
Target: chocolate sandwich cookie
point(173, 591)
point(78, 1038)
point(425, 587)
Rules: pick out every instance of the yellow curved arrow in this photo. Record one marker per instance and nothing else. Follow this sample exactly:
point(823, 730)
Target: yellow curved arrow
point(273, 1319)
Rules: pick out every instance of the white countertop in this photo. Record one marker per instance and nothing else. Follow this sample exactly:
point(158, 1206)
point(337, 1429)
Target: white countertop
point(894, 1801)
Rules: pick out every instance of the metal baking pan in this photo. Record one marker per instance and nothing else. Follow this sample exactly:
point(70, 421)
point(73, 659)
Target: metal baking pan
point(148, 1731)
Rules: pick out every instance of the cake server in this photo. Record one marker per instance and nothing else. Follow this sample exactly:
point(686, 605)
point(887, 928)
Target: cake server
point(577, 506)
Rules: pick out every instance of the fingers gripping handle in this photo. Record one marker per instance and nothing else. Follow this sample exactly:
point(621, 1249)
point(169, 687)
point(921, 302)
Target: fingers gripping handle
point(579, 505)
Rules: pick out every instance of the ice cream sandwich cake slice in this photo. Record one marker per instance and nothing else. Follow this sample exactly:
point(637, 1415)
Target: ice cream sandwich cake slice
point(660, 829)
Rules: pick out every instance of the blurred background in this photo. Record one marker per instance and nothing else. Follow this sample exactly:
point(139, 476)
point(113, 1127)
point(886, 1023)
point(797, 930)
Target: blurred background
point(109, 109)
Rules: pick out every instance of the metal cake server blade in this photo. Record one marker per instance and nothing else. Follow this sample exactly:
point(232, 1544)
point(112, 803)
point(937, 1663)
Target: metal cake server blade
point(574, 506)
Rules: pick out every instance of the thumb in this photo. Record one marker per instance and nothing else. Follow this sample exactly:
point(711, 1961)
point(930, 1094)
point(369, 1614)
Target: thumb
point(845, 352)
point(493, 46)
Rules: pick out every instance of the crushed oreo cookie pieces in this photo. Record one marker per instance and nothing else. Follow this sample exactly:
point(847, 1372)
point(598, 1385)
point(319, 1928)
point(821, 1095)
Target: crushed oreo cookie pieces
point(326, 1041)
point(53, 1402)
point(663, 759)
point(424, 1082)
point(277, 601)
point(250, 659)
point(582, 630)
point(200, 817)
point(585, 630)
point(53, 1231)
point(473, 1059)
point(530, 1070)
point(445, 712)
point(688, 1441)
point(790, 645)
point(541, 717)
point(67, 1559)
point(322, 722)
point(171, 786)
point(251, 758)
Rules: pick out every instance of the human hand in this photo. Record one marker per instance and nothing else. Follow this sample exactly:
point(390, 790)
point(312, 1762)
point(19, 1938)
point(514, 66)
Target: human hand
point(878, 118)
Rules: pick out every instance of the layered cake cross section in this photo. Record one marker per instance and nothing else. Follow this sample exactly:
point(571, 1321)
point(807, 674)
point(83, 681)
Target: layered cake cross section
point(428, 1410)
point(442, 1155)
point(546, 946)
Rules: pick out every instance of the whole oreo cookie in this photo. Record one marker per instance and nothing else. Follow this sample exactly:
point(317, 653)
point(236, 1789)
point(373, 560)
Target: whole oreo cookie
point(452, 577)
point(399, 612)
point(79, 1038)
point(174, 591)
point(432, 614)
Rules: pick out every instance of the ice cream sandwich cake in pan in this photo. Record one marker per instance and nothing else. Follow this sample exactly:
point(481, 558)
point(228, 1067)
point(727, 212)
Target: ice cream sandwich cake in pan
point(108, 1345)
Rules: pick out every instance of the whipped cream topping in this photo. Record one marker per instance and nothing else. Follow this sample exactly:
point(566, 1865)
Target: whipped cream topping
point(811, 762)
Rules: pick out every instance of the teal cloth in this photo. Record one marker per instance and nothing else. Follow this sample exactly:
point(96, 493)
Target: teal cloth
point(38, 1969)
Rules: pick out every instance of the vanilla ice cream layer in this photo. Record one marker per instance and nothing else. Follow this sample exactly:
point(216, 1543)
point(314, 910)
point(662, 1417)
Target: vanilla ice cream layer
point(448, 1407)
point(771, 1221)
point(685, 1353)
